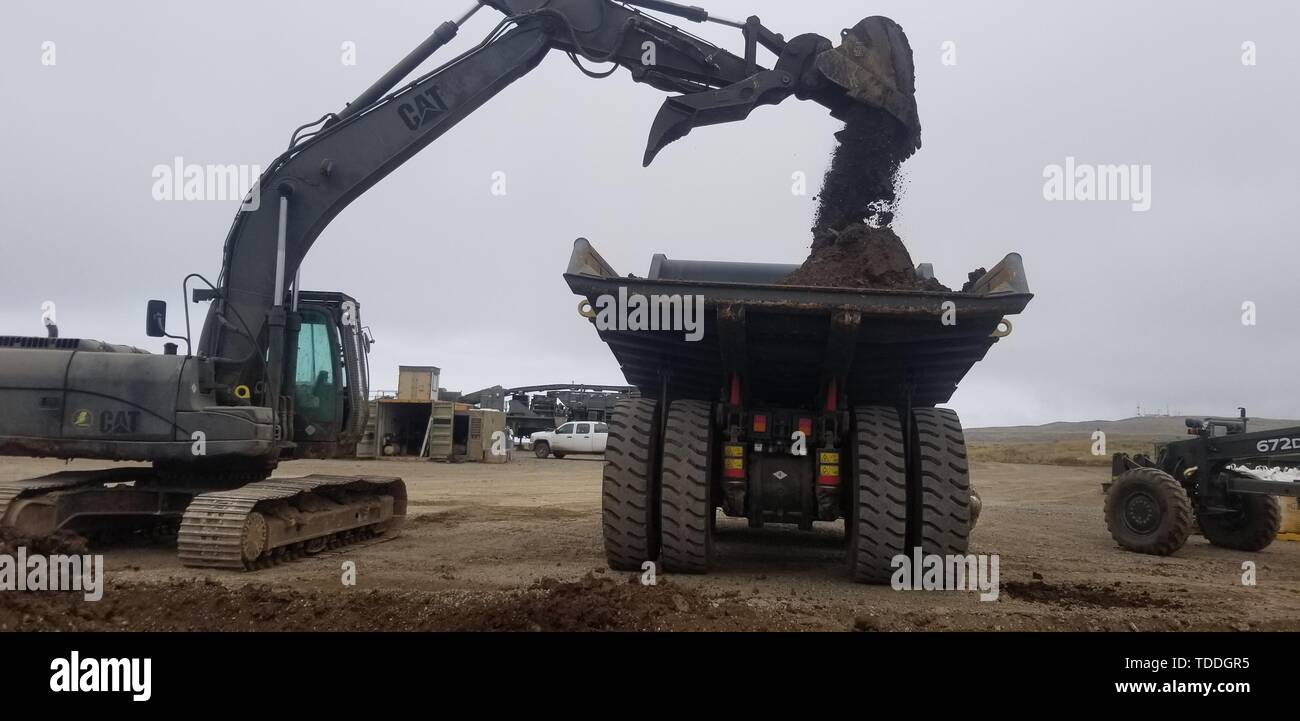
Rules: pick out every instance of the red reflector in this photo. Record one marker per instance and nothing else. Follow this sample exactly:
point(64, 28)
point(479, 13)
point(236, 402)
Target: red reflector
point(805, 426)
point(828, 480)
point(760, 424)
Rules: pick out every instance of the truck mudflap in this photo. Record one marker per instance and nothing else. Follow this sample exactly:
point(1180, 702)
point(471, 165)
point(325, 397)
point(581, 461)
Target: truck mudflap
point(281, 519)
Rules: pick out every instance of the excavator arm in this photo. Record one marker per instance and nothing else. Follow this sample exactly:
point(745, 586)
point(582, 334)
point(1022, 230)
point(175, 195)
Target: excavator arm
point(331, 162)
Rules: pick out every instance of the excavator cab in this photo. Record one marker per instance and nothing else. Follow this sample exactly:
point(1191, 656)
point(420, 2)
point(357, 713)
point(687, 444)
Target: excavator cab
point(325, 375)
point(328, 376)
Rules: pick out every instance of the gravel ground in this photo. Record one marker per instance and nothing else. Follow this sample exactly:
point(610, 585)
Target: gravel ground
point(518, 547)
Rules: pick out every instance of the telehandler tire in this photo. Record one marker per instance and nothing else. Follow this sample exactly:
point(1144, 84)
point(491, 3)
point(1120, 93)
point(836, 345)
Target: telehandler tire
point(1252, 529)
point(629, 497)
point(943, 524)
point(877, 525)
point(686, 500)
point(1147, 511)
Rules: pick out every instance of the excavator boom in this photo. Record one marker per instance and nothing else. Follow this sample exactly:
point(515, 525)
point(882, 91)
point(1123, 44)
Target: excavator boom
point(325, 170)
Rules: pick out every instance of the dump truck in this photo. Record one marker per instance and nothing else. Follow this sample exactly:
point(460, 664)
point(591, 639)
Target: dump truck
point(790, 405)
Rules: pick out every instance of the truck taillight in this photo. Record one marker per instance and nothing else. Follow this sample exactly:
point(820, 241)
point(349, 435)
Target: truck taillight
point(733, 461)
point(760, 423)
point(828, 468)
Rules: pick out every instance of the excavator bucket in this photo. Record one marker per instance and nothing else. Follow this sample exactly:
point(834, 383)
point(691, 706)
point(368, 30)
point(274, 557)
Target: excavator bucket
point(873, 65)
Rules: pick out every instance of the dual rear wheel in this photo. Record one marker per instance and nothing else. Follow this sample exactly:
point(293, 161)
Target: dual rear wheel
point(899, 503)
point(896, 503)
point(671, 520)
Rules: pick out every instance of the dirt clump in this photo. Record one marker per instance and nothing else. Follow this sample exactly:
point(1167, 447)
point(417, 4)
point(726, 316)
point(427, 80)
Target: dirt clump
point(1086, 594)
point(59, 543)
point(592, 603)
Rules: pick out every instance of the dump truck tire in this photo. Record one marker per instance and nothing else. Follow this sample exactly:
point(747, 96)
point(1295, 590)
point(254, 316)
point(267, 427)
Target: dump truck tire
point(877, 529)
point(943, 524)
point(1147, 511)
point(1251, 530)
point(686, 502)
point(629, 498)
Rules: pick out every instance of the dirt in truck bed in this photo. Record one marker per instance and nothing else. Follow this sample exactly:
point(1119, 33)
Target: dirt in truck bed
point(853, 244)
point(861, 256)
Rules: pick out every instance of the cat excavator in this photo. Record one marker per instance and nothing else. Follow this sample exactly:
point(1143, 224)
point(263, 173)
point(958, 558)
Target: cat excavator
point(280, 373)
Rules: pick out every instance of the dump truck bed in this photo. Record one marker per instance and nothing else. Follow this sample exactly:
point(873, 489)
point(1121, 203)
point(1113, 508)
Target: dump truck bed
point(786, 340)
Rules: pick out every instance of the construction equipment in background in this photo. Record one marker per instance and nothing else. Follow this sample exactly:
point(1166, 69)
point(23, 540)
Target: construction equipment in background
point(1153, 504)
point(531, 409)
point(796, 405)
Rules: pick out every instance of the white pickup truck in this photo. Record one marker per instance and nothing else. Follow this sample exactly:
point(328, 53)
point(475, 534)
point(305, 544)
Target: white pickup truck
point(572, 437)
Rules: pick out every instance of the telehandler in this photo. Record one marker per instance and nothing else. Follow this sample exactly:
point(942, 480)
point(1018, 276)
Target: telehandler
point(1153, 504)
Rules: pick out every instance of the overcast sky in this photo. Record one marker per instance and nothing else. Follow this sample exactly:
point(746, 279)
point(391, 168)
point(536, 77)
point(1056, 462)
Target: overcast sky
point(1131, 307)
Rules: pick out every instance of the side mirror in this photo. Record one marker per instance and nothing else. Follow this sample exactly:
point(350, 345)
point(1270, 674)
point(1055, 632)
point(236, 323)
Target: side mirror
point(155, 322)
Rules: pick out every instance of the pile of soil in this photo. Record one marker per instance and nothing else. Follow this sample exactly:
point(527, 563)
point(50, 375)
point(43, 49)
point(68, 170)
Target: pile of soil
point(853, 245)
point(58, 543)
point(1086, 594)
point(592, 603)
point(860, 256)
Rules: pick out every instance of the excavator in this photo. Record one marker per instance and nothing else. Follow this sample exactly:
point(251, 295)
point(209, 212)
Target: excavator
point(280, 373)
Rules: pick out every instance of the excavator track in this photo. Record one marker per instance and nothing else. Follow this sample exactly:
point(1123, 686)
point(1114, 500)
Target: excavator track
point(282, 519)
point(11, 491)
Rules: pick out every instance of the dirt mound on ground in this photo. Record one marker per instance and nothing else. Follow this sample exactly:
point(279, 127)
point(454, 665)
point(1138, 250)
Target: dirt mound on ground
point(57, 543)
point(1086, 594)
point(593, 603)
point(603, 604)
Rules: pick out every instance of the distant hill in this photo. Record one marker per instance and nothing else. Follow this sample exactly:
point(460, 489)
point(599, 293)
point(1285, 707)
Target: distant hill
point(1145, 427)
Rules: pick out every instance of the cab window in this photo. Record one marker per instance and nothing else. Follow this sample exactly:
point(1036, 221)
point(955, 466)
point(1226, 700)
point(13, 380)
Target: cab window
point(602, 428)
point(565, 429)
point(315, 390)
point(583, 429)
